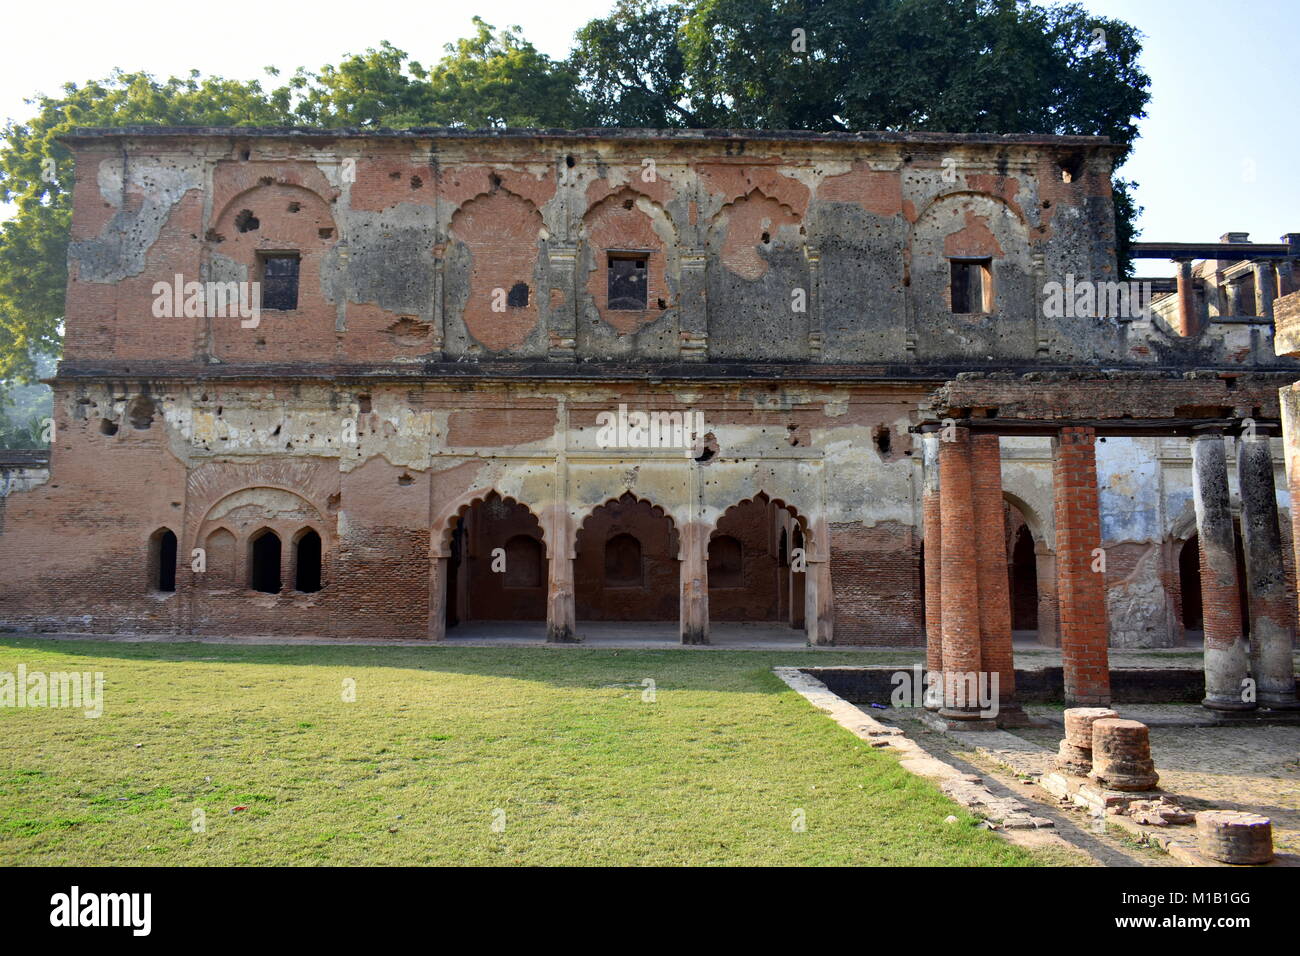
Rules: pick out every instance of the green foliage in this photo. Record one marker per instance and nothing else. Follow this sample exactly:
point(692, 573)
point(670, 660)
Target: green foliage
point(632, 68)
point(36, 175)
point(490, 80)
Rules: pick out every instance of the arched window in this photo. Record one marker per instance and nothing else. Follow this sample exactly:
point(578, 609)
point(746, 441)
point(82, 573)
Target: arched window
point(162, 560)
point(264, 566)
point(523, 562)
point(726, 563)
point(219, 559)
point(623, 562)
point(306, 562)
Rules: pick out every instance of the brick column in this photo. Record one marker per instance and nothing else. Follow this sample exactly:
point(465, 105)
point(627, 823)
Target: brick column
point(437, 629)
point(1225, 647)
point(693, 579)
point(1289, 401)
point(1265, 287)
point(996, 654)
point(561, 616)
point(1272, 629)
point(1285, 277)
point(1188, 321)
point(819, 613)
point(1080, 591)
point(932, 528)
point(961, 614)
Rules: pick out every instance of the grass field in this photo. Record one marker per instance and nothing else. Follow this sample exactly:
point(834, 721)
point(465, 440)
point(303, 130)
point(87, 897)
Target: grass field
point(556, 744)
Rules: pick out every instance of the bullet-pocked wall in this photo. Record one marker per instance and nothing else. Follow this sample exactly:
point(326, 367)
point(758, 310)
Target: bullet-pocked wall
point(446, 319)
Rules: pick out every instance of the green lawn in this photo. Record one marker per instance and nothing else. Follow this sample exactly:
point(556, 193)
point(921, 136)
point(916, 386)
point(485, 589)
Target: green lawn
point(438, 740)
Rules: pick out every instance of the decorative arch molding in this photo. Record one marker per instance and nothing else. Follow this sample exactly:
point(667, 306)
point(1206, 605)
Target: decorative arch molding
point(1033, 521)
point(208, 484)
point(440, 543)
point(627, 222)
point(959, 194)
point(247, 198)
point(1183, 526)
point(766, 498)
point(627, 497)
point(735, 233)
point(497, 240)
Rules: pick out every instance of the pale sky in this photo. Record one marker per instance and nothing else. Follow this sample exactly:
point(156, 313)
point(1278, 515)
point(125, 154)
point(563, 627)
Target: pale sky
point(1217, 152)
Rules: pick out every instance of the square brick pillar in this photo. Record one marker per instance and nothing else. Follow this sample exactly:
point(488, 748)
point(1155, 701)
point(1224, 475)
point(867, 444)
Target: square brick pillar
point(996, 655)
point(1080, 591)
point(1225, 645)
point(932, 529)
point(437, 629)
point(693, 577)
point(961, 601)
point(819, 616)
point(561, 615)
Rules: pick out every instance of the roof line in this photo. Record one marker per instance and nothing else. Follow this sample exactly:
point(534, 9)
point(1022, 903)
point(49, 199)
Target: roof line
point(90, 133)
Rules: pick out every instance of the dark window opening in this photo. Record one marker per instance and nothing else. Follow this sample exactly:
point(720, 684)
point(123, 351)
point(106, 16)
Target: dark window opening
point(884, 439)
point(141, 412)
point(623, 567)
point(517, 297)
point(1071, 167)
point(265, 570)
point(523, 562)
point(628, 285)
point(972, 286)
point(280, 283)
point(1024, 582)
point(307, 563)
point(1189, 584)
point(726, 563)
point(783, 550)
point(164, 544)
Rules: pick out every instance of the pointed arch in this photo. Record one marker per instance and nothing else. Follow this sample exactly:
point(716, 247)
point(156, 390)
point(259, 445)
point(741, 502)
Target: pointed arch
point(444, 524)
point(626, 565)
point(754, 572)
point(495, 560)
point(162, 560)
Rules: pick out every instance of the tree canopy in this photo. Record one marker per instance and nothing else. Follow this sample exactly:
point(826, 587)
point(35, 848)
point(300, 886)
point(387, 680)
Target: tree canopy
point(997, 66)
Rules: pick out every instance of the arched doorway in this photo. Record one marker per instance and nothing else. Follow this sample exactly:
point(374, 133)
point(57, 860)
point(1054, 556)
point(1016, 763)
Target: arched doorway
point(1023, 568)
point(625, 565)
point(496, 566)
point(1189, 585)
point(754, 570)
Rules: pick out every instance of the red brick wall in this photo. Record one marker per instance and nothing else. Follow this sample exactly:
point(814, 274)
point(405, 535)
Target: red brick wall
point(876, 577)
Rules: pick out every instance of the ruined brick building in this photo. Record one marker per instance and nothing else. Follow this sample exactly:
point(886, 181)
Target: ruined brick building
point(408, 436)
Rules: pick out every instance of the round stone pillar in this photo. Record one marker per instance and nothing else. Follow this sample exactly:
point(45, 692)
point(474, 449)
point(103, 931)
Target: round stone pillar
point(1225, 647)
point(1271, 619)
point(1121, 755)
point(1234, 836)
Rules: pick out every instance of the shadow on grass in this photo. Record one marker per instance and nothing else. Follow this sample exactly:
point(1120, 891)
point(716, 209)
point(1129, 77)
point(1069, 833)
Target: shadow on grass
point(679, 668)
